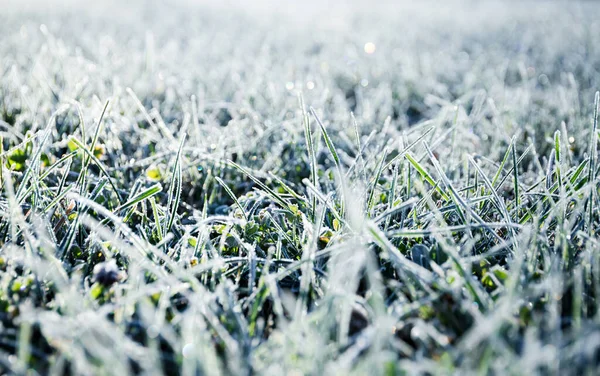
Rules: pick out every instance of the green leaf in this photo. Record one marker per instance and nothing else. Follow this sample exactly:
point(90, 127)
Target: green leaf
point(96, 291)
point(153, 173)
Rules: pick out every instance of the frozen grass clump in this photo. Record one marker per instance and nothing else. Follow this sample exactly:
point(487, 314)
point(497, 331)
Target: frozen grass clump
point(382, 189)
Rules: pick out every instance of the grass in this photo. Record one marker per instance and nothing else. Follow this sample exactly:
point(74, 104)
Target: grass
point(392, 189)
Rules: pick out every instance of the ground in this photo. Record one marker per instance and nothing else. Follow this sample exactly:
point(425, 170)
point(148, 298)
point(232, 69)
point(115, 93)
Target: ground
point(299, 188)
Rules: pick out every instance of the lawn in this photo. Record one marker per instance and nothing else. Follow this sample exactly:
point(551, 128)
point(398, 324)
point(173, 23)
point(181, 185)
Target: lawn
point(299, 188)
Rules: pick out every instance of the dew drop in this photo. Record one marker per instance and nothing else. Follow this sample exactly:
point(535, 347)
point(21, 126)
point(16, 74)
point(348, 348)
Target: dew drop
point(370, 47)
point(188, 350)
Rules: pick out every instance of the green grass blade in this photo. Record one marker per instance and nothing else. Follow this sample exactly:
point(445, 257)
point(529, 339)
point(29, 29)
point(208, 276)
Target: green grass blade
point(312, 158)
point(175, 188)
point(144, 195)
point(230, 193)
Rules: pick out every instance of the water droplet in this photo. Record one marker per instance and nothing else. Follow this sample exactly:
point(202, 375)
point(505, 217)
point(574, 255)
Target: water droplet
point(188, 350)
point(415, 333)
point(153, 331)
point(310, 85)
point(289, 85)
point(370, 47)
